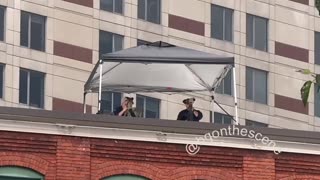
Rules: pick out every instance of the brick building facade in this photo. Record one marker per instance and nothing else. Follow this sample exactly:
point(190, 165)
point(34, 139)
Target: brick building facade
point(80, 149)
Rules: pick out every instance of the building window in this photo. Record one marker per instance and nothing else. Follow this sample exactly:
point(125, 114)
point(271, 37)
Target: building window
point(256, 85)
point(317, 48)
point(109, 42)
point(32, 31)
point(1, 80)
point(221, 23)
point(114, 6)
point(110, 101)
point(257, 32)
point(2, 22)
point(125, 177)
point(226, 86)
point(141, 42)
point(317, 101)
point(221, 118)
point(31, 88)
point(18, 173)
point(149, 107)
point(149, 10)
point(255, 124)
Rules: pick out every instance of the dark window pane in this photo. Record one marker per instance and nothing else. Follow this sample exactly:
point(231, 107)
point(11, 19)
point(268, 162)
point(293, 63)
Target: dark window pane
point(152, 108)
point(140, 105)
point(116, 100)
point(317, 48)
point(260, 87)
point(260, 33)
point(227, 119)
point(250, 30)
point(106, 101)
point(24, 34)
point(23, 87)
point(228, 23)
point(2, 20)
point(317, 101)
point(107, 5)
point(218, 118)
point(228, 84)
point(36, 89)
point(249, 83)
point(141, 42)
point(153, 11)
point(105, 42)
point(118, 42)
point(37, 32)
point(142, 9)
point(1, 80)
point(118, 6)
point(255, 124)
point(217, 22)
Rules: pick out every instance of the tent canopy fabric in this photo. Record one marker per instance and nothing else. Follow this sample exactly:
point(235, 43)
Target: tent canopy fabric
point(159, 67)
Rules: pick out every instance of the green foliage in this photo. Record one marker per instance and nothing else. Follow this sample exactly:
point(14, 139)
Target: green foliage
point(305, 90)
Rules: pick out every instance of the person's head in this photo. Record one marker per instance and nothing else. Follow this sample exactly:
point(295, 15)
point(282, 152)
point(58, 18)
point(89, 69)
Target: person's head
point(189, 102)
point(128, 101)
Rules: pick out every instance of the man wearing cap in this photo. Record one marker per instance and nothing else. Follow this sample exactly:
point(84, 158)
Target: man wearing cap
point(189, 114)
point(126, 108)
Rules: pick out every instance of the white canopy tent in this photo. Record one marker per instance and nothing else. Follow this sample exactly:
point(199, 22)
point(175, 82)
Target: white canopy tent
point(159, 67)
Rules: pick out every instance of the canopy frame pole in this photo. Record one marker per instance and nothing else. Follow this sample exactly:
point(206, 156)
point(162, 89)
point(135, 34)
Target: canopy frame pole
point(195, 74)
point(100, 86)
point(84, 103)
point(235, 95)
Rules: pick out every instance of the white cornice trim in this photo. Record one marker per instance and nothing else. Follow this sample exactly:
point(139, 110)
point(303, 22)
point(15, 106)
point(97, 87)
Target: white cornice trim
point(153, 136)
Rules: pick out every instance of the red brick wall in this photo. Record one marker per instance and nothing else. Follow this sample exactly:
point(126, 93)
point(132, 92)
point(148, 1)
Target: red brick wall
point(76, 158)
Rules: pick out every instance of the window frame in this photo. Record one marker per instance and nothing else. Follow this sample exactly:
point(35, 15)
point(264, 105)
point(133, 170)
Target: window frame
point(30, 15)
point(316, 47)
point(254, 32)
point(253, 85)
point(22, 173)
point(113, 7)
point(113, 41)
point(222, 85)
point(224, 9)
point(252, 123)
point(2, 69)
point(146, 12)
point(4, 22)
point(213, 119)
point(42, 101)
point(145, 105)
point(113, 108)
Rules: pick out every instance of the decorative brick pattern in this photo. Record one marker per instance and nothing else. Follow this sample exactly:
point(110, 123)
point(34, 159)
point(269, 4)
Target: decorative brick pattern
point(187, 25)
point(72, 52)
point(306, 2)
point(68, 106)
point(292, 52)
point(77, 158)
point(88, 3)
point(290, 104)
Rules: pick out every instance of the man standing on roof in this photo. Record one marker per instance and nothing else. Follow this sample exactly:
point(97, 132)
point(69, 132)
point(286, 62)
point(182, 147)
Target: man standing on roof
point(189, 114)
point(126, 108)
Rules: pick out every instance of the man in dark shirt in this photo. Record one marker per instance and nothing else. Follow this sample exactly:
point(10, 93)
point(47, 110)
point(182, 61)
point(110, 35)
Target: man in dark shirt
point(126, 108)
point(189, 114)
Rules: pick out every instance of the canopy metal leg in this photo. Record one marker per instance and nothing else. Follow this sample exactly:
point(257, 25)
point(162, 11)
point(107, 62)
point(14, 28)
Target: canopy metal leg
point(84, 103)
point(100, 86)
point(235, 95)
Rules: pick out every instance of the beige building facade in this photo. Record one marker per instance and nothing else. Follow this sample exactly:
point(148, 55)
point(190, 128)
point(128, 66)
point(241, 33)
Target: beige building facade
point(49, 48)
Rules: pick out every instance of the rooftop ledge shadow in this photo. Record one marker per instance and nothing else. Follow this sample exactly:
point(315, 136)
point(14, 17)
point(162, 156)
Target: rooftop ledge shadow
point(159, 125)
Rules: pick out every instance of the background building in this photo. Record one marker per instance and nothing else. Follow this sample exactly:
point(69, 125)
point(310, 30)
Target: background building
point(49, 47)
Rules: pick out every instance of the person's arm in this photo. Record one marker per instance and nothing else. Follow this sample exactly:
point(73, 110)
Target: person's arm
point(122, 112)
point(180, 115)
point(197, 115)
